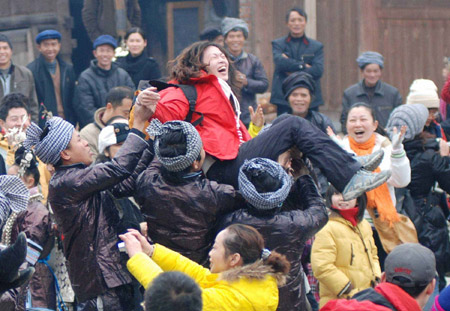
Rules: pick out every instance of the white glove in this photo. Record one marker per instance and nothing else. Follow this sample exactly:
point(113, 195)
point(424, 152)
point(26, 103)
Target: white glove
point(397, 140)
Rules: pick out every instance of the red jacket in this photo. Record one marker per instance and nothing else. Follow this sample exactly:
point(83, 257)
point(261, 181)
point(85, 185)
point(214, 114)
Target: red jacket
point(393, 294)
point(218, 128)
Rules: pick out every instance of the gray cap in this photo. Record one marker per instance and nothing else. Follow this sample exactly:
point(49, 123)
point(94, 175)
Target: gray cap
point(414, 263)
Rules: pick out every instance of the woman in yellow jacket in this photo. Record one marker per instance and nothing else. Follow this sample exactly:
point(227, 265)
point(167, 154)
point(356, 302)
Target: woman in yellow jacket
point(344, 256)
point(243, 275)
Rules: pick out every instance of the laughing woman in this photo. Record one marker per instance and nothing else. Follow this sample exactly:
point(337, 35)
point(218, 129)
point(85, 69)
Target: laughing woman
point(243, 276)
point(363, 139)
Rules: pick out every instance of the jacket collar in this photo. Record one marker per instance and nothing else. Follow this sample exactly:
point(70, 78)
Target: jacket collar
point(243, 55)
point(304, 39)
point(257, 271)
point(102, 72)
point(362, 91)
point(401, 300)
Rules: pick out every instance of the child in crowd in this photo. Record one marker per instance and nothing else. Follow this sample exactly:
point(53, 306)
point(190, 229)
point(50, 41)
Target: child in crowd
point(344, 256)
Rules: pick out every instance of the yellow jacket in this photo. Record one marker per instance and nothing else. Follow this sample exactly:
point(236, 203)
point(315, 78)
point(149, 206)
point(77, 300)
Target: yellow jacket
point(251, 287)
point(43, 171)
point(338, 257)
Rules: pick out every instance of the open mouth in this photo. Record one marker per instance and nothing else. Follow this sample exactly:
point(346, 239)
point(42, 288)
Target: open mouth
point(359, 133)
point(222, 69)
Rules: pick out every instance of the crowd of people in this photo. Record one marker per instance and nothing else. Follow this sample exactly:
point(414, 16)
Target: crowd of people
point(122, 190)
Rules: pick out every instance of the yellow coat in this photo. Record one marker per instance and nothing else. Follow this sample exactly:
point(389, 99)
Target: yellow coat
point(338, 257)
point(251, 287)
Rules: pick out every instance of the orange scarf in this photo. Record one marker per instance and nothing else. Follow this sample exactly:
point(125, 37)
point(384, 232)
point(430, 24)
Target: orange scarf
point(380, 197)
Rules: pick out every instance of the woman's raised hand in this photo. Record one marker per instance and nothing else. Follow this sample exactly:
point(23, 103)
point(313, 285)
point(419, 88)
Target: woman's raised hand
point(397, 139)
point(257, 117)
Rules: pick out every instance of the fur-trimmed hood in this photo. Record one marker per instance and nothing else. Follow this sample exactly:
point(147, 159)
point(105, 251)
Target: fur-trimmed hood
point(257, 270)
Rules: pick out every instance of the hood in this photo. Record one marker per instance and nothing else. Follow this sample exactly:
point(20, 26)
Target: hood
point(257, 270)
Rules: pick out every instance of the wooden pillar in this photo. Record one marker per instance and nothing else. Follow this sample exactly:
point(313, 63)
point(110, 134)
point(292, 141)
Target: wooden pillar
point(368, 25)
point(311, 11)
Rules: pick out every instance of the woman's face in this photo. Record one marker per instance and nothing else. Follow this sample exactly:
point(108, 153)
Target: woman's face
point(338, 202)
point(216, 62)
point(218, 261)
point(136, 44)
point(360, 124)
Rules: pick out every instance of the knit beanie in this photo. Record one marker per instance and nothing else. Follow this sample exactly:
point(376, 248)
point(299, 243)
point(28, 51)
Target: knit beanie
point(370, 57)
point(425, 92)
point(230, 23)
point(4, 38)
point(414, 116)
point(442, 302)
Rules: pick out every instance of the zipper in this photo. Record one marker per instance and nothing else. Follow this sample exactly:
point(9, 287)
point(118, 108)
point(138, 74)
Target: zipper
point(352, 255)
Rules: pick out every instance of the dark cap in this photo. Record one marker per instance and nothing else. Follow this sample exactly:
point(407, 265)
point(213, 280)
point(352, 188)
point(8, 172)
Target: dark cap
point(296, 80)
point(4, 38)
point(105, 39)
point(210, 33)
point(48, 34)
point(410, 265)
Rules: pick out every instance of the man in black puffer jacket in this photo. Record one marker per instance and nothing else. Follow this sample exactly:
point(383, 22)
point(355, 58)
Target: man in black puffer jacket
point(286, 215)
point(96, 81)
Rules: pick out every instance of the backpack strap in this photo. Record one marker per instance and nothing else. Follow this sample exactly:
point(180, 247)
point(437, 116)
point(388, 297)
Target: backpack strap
point(191, 94)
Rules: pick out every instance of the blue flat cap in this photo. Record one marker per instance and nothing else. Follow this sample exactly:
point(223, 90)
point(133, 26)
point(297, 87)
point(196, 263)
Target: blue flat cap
point(105, 39)
point(48, 34)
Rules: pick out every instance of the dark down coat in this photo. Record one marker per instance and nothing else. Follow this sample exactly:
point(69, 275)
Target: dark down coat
point(286, 231)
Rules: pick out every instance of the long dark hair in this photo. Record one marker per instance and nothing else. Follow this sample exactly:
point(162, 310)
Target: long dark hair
point(249, 243)
point(380, 130)
point(189, 64)
point(361, 202)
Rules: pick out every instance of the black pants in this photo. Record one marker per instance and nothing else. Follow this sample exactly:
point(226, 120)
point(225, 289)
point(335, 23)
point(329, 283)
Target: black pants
point(288, 131)
point(120, 298)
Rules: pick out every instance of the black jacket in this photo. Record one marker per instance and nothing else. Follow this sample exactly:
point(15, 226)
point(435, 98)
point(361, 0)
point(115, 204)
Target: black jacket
point(310, 52)
point(427, 168)
point(45, 90)
point(140, 67)
point(183, 217)
point(86, 216)
point(286, 231)
point(93, 85)
point(385, 99)
point(252, 67)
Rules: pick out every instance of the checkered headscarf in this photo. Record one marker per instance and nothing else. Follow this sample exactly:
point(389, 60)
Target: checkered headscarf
point(267, 200)
point(13, 196)
point(193, 143)
point(57, 139)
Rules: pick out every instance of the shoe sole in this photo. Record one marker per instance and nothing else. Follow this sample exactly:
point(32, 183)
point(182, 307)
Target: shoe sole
point(356, 193)
point(371, 166)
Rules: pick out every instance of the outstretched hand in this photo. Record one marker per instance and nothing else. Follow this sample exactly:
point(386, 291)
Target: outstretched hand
point(145, 105)
point(398, 137)
point(257, 117)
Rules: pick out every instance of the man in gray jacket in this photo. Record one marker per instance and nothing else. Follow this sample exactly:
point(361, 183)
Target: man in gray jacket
point(371, 90)
point(16, 79)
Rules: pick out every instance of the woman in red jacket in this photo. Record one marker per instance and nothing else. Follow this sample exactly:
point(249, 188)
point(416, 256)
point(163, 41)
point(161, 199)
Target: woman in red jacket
point(227, 143)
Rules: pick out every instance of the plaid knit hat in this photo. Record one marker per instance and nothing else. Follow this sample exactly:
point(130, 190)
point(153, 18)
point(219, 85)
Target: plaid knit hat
point(57, 138)
point(13, 196)
point(193, 143)
point(268, 200)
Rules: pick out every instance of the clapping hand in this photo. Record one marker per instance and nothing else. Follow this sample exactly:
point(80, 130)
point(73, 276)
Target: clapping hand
point(257, 117)
point(397, 139)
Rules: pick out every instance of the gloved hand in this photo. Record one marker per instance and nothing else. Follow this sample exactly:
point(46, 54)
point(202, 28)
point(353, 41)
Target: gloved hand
point(11, 259)
point(397, 140)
